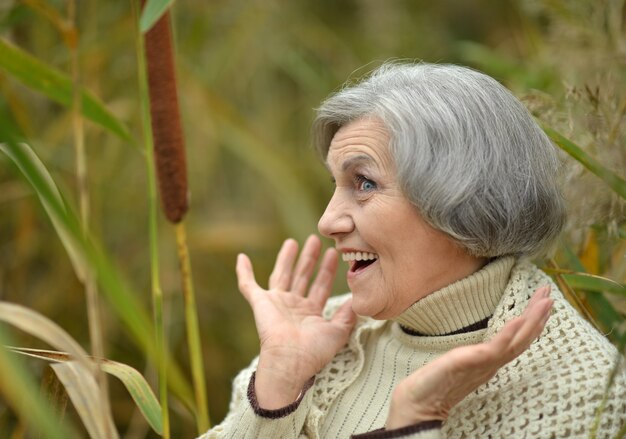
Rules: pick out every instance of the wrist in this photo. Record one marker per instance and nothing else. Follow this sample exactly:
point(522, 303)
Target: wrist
point(278, 384)
point(277, 412)
point(404, 411)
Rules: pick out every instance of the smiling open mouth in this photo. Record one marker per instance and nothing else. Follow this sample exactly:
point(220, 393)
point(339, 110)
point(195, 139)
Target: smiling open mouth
point(359, 260)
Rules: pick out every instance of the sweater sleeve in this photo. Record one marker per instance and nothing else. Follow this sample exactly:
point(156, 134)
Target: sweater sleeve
point(245, 419)
point(422, 430)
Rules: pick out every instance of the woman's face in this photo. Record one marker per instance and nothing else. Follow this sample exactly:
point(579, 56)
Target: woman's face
point(395, 258)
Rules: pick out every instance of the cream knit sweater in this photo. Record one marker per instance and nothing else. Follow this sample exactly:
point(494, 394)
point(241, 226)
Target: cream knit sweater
point(552, 390)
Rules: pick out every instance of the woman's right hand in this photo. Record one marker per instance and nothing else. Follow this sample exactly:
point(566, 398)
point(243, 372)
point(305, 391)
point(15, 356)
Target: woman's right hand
point(296, 340)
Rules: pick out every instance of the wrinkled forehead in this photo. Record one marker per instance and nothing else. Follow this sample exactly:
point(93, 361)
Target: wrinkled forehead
point(363, 141)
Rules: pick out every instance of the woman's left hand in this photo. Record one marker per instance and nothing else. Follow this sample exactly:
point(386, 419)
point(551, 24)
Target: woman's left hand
point(431, 391)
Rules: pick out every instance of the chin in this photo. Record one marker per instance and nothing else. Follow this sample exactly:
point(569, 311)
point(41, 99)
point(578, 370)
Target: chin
point(365, 309)
point(358, 307)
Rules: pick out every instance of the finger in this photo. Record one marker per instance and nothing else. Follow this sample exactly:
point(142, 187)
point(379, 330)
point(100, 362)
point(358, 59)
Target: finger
point(323, 284)
point(306, 263)
point(245, 276)
point(501, 343)
point(534, 321)
point(540, 293)
point(530, 322)
point(518, 334)
point(344, 317)
point(281, 274)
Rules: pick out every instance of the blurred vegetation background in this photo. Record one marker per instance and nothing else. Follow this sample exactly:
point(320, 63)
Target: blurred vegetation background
point(250, 73)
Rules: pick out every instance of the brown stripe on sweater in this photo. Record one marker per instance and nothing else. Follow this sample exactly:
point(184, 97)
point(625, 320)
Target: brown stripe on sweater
point(469, 328)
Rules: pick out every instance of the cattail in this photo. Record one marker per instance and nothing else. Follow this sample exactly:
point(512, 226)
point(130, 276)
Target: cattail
point(170, 163)
point(169, 145)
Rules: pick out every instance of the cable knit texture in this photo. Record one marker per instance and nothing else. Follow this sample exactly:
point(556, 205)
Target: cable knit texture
point(553, 390)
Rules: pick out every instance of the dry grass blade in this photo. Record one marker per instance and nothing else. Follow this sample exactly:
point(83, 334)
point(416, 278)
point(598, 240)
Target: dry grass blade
point(20, 393)
point(44, 329)
point(571, 296)
point(134, 382)
point(615, 182)
point(590, 282)
point(79, 379)
point(53, 391)
point(120, 295)
point(94, 320)
point(82, 389)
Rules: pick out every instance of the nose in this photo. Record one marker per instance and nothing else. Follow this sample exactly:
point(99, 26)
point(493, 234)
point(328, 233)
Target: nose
point(336, 220)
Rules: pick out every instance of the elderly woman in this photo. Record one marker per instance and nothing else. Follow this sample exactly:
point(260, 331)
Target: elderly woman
point(445, 186)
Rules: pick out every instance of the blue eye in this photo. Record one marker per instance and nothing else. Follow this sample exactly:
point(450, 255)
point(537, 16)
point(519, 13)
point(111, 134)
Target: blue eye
point(365, 184)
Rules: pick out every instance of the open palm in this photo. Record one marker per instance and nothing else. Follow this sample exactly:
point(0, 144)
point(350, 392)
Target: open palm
point(296, 340)
point(431, 391)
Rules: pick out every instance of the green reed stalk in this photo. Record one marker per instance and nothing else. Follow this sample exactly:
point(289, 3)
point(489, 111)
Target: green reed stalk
point(193, 331)
point(157, 294)
point(171, 167)
point(91, 289)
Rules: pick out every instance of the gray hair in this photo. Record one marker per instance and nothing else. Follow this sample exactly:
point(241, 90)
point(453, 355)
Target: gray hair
point(468, 154)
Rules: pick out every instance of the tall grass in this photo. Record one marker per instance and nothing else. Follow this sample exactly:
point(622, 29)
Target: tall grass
point(94, 320)
point(249, 73)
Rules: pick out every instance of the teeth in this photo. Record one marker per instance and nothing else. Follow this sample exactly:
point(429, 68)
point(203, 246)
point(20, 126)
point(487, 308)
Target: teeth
point(359, 256)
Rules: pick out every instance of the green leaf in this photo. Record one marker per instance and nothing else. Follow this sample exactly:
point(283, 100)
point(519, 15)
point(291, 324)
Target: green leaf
point(57, 86)
point(152, 11)
point(120, 295)
point(135, 383)
point(139, 390)
point(597, 284)
point(614, 181)
point(54, 196)
point(606, 314)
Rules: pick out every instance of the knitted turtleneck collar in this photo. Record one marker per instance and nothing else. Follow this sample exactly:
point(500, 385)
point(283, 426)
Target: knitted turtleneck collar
point(460, 304)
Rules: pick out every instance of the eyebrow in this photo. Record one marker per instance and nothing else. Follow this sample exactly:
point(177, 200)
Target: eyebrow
point(353, 161)
point(356, 160)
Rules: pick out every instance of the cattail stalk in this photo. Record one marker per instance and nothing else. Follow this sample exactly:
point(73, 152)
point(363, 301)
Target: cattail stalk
point(169, 155)
point(193, 332)
point(88, 280)
point(157, 294)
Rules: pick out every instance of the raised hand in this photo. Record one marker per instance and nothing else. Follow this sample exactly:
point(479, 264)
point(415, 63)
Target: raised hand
point(296, 341)
point(431, 391)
